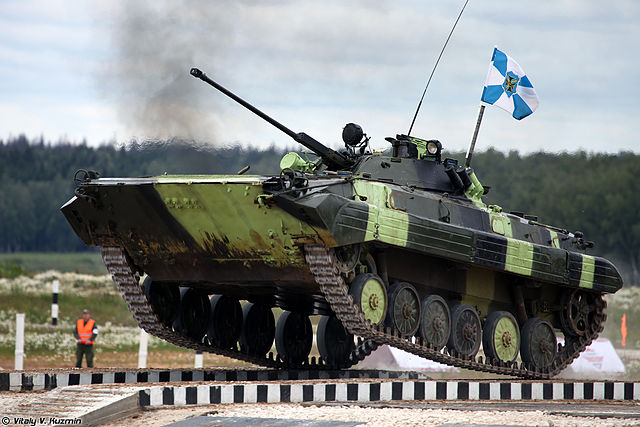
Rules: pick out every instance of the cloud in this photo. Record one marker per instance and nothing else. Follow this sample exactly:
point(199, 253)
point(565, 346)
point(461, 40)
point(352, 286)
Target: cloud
point(61, 11)
point(315, 66)
point(62, 121)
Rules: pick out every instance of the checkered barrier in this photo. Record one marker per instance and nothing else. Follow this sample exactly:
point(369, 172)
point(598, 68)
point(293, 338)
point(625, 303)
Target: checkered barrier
point(17, 381)
point(387, 391)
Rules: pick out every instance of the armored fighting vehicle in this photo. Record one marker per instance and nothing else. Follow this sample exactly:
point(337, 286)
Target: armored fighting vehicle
point(393, 247)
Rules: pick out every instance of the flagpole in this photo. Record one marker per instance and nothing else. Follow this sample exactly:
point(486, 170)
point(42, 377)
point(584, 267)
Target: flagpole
point(472, 145)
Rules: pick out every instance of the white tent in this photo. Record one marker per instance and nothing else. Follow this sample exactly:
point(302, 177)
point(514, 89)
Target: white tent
point(393, 359)
point(599, 358)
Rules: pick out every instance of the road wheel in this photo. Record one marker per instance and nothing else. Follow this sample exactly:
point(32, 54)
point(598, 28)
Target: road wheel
point(466, 332)
point(501, 337)
point(404, 308)
point(435, 321)
point(193, 315)
point(225, 321)
point(539, 345)
point(164, 299)
point(334, 341)
point(258, 329)
point(294, 337)
point(370, 295)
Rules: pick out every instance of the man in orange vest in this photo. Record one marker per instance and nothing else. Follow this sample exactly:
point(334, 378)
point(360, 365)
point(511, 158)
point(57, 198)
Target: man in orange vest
point(85, 332)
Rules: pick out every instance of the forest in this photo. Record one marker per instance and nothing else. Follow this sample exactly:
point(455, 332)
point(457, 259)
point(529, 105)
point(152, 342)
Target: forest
point(598, 194)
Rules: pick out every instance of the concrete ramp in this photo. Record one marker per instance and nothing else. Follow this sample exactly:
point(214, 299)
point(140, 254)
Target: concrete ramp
point(72, 405)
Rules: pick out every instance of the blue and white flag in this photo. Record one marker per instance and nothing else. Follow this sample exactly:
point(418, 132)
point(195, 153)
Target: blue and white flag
point(508, 87)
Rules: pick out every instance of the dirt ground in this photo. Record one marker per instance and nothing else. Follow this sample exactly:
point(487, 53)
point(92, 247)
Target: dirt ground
point(121, 359)
point(172, 358)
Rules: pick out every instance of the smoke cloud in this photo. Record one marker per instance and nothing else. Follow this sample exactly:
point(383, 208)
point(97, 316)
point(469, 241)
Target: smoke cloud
point(153, 46)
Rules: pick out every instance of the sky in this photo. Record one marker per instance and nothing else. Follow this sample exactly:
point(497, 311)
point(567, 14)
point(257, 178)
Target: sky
point(115, 70)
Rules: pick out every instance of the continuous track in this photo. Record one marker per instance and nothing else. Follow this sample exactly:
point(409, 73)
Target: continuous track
point(323, 266)
point(322, 263)
point(127, 279)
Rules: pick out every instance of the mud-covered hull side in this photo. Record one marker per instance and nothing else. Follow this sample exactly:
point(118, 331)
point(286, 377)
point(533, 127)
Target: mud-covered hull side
point(199, 232)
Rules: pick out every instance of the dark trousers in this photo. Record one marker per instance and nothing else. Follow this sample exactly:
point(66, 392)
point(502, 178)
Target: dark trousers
point(87, 350)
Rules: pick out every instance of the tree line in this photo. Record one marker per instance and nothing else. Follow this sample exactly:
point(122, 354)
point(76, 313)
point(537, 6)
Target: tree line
point(590, 192)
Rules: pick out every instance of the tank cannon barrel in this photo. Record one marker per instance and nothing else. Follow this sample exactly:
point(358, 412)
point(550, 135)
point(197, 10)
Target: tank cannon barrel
point(330, 157)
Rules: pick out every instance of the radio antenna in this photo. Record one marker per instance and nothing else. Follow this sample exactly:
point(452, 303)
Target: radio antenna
point(435, 66)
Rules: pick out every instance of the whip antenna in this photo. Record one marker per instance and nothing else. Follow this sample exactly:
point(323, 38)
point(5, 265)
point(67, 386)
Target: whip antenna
point(435, 66)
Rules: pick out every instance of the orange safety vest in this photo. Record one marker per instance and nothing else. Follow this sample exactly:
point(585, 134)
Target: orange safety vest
point(85, 330)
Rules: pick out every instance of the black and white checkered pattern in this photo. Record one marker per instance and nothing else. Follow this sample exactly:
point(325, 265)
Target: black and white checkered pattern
point(262, 386)
point(387, 391)
point(17, 381)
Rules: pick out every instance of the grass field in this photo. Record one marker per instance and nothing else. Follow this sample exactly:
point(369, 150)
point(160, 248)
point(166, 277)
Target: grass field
point(35, 262)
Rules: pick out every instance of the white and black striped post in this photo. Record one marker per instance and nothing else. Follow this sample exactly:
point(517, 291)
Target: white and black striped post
point(199, 362)
point(142, 351)
point(54, 303)
point(19, 359)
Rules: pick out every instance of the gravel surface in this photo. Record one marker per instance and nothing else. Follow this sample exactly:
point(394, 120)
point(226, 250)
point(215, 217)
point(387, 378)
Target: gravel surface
point(371, 416)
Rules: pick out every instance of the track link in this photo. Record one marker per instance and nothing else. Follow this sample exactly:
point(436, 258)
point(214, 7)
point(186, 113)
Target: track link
point(127, 279)
point(323, 265)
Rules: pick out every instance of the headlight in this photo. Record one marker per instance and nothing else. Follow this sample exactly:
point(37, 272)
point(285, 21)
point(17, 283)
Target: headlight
point(432, 148)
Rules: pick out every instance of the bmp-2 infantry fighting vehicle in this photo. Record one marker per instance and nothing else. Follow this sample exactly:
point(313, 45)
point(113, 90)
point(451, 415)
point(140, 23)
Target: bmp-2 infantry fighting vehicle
point(392, 248)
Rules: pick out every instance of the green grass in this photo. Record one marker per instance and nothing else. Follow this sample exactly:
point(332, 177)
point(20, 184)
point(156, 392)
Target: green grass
point(10, 270)
point(80, 262)
point(37, 308)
